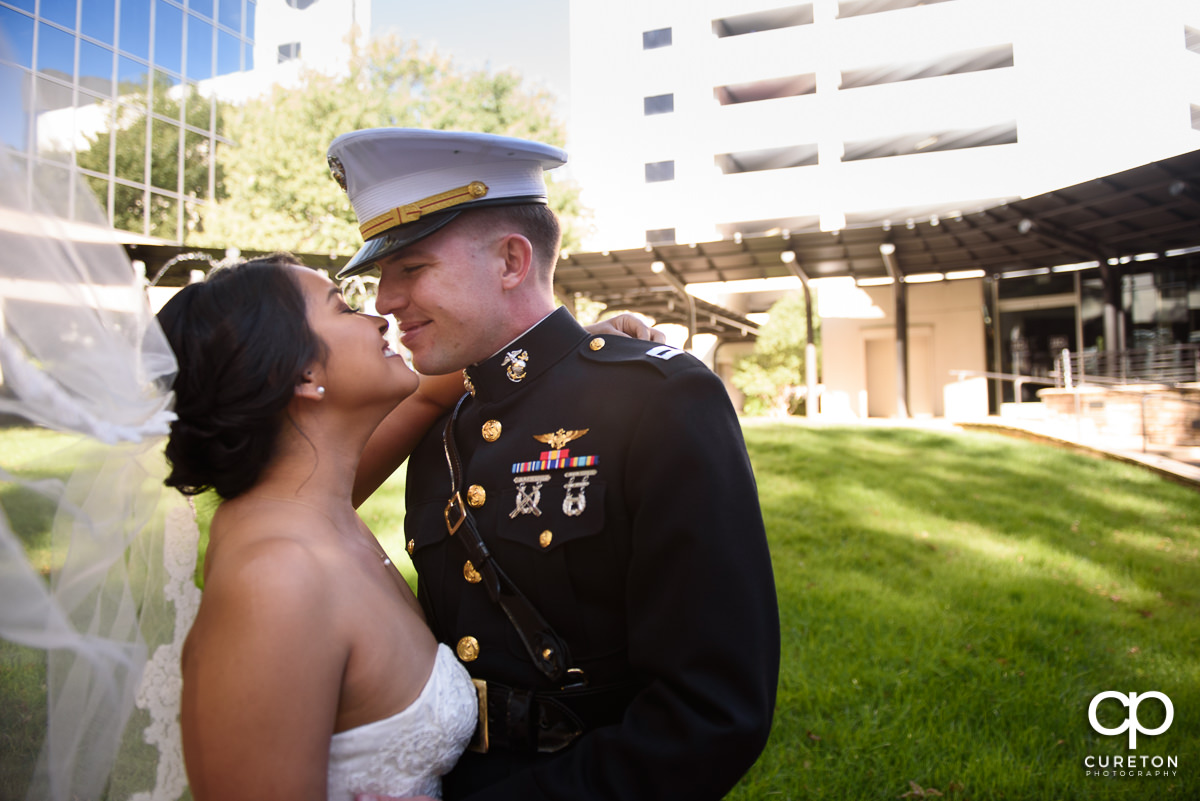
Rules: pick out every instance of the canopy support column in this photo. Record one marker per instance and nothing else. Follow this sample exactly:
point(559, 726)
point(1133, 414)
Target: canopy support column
point(900, 295)
point(810, 346)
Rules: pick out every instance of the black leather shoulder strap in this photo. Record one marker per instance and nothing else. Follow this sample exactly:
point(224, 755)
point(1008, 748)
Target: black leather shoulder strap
point(547, 650)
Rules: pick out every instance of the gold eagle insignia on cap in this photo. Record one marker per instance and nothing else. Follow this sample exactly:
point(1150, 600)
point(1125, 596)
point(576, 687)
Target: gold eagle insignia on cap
point(558, 439)
point(337, 171)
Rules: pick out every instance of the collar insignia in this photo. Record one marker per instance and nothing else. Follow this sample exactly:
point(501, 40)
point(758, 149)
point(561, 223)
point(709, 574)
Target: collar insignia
point(516, 361)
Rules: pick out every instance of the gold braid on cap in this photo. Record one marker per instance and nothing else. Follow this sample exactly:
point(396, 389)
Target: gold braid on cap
point(411, 212)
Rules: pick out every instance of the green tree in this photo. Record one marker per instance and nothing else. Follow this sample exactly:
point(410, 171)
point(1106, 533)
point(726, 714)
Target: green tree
point(772, 378)
point(280, 193)
point(154, 113)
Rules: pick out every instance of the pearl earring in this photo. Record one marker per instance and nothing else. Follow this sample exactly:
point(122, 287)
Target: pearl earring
point(321, 391)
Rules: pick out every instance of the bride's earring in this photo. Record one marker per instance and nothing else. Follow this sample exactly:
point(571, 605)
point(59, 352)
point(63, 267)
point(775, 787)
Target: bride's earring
point(321, 391)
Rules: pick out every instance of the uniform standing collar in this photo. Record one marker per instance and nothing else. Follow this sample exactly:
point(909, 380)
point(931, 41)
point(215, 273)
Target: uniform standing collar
point(526, 357)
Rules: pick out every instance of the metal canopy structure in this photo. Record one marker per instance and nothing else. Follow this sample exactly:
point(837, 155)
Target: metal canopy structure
point(1154, 208)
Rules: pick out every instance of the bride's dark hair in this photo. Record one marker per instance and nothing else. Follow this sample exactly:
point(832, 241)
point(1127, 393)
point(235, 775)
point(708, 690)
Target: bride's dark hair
point(242, 341)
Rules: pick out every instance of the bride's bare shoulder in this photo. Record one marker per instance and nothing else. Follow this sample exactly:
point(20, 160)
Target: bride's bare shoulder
point(266, 550)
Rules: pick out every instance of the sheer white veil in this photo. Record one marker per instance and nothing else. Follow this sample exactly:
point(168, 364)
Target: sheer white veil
point(80, 352)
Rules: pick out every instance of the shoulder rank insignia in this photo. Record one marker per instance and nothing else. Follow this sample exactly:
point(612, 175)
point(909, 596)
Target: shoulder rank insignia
point(664, 352)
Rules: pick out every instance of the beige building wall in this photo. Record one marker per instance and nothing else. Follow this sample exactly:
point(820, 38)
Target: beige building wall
point(858, 343)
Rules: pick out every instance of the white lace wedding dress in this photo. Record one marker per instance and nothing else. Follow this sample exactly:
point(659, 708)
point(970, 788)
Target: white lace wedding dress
point(408, 753)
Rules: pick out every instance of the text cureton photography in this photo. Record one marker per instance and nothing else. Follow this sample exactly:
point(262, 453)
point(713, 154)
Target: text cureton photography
point(1130, 765)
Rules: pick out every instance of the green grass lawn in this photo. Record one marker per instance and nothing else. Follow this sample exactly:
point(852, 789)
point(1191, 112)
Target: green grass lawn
point(949, 603)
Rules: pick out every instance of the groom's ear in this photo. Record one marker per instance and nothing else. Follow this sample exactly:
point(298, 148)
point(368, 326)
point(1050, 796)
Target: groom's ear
point(516, 252)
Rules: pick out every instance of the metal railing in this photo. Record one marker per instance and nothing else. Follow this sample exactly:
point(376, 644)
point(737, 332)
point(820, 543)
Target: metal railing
point(1169, 365)
point(1158, 411)
point(1150, 377)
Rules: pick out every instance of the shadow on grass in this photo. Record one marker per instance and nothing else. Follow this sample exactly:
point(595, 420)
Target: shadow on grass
point(950, 605)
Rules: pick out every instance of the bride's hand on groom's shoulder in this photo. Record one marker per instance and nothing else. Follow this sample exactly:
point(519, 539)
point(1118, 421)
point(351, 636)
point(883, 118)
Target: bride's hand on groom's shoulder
point(629, 325)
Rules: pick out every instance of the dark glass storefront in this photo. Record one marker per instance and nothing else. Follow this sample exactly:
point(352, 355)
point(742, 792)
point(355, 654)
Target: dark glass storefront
point(1031, 318)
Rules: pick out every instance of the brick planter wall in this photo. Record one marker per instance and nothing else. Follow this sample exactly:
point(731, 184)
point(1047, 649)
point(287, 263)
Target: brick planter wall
point(1172, 415)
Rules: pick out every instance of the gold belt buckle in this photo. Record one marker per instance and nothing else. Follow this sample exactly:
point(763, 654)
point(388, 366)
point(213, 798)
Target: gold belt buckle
point(455, 502)
point(479, 740)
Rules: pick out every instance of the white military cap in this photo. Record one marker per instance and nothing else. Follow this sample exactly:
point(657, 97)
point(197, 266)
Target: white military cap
point(406, 183)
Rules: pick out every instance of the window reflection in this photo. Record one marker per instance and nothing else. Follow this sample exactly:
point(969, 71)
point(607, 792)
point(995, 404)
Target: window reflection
point(56, 52)
point(131, 150)
point(99, 188)
point(150, 158)
point(135, 28)
point(60, 11)
point(51, 181)
point(198, 110)
point(54, 126)
point(51, 95)
point(163, 82)
point(201, 7)
point(164, 216)
point(195, 164)
point(128, 205)
point(98, 20)
point(19, 30)
point(133, 80)
point(14, 123)
point(230, 14)
point(164, 155)
point(199, 49)
point(168, 36)
point(95, 68)
point(229, 53)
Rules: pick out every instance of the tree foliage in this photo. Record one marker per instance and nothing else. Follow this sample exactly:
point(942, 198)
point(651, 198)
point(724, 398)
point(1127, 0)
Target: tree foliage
point(156, 105)
point(280, 193)
point(772, 378)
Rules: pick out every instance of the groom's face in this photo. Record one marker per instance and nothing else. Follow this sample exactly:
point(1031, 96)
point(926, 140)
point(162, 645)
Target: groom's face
point(445, 294)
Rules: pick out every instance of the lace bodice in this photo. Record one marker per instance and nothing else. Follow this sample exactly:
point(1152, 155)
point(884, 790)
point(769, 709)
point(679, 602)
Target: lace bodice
point(408, 753)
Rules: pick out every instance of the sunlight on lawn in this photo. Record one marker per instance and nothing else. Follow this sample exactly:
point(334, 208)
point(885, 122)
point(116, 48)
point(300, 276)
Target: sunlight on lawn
point(950, 603)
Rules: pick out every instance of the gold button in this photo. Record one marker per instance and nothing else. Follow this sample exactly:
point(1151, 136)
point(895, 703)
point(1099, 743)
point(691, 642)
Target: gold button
point(471, 574)
point(491, 430)
point(596, 344)
point(411, 544)
point(545, 538)
point(476, 495)
point(468, 649)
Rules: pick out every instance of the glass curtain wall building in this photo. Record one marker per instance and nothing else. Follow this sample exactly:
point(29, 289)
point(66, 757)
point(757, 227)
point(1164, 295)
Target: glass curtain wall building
point(111, 92)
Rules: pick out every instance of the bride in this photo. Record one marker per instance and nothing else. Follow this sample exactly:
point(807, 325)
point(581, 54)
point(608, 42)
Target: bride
point(309, 669)
point(309, 661)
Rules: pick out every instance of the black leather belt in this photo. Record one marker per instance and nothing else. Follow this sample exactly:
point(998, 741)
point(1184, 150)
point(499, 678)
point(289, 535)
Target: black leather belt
point(547, 721)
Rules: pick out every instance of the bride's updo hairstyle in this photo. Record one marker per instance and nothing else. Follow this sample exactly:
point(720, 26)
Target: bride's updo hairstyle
point(243, 342)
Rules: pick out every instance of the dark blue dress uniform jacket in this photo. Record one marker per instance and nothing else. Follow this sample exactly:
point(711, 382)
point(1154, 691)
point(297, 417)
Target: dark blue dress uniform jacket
point(642, 545)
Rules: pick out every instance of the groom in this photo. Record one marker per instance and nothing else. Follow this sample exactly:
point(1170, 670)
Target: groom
point(617, 609)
